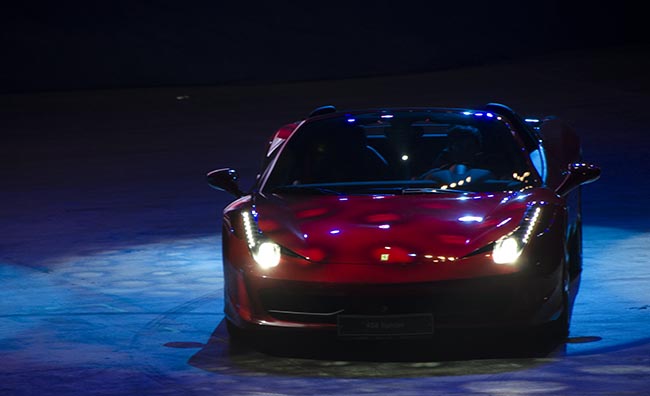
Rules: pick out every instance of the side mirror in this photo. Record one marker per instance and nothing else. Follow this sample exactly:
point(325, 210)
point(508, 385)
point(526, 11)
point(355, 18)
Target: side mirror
point(225, 179)
point(578, 174)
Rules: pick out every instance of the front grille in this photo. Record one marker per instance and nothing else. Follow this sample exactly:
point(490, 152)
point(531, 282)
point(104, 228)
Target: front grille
point(459, 301)
point(310, 307)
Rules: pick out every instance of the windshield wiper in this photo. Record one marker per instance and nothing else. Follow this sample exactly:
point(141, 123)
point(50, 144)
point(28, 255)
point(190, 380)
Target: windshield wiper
point(429, 190)
point(304, 189)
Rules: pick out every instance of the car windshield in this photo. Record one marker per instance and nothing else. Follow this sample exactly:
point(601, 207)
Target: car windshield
point(416, 151)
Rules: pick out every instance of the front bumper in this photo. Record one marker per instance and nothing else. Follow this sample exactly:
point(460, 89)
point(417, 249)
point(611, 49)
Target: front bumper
point(509, 300)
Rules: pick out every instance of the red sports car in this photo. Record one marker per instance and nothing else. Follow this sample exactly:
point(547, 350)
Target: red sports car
point(400, 221)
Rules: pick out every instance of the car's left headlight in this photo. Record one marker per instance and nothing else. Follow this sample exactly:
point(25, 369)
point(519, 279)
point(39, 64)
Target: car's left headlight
point(507, 249)
point(265, 252)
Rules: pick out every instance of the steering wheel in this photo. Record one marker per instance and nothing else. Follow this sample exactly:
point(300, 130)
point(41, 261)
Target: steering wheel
point(430, 173)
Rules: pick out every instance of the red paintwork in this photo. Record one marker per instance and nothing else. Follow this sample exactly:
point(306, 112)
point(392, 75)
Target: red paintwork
point(350, 230)
point(424, 234)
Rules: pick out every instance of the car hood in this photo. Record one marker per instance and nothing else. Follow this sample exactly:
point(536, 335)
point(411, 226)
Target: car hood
point(393, 228)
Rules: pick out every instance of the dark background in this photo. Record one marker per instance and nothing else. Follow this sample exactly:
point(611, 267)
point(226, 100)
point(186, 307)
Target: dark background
point(71, 45)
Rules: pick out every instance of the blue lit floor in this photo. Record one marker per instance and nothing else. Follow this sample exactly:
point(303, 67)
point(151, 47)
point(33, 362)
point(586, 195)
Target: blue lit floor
point(110, 267)
point(148, 319)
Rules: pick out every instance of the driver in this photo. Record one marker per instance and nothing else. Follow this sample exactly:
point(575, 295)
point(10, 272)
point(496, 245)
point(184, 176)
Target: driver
point(459, 160)
point(463, 147)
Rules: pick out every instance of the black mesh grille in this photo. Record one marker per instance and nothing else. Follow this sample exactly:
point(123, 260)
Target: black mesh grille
point(452, 301)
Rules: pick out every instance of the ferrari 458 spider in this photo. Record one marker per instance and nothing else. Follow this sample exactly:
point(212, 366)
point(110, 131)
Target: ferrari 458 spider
point(396, 222)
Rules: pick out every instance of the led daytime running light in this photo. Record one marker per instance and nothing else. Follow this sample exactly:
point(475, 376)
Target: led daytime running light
point(532, 221)
point(250, 228)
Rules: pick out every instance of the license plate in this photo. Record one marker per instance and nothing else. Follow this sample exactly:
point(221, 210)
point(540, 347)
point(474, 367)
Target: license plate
point(385, 325)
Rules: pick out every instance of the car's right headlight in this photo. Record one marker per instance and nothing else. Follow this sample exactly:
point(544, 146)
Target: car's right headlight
point(265, 252)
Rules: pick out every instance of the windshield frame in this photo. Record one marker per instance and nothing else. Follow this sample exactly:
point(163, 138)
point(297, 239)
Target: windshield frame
point(534, 179)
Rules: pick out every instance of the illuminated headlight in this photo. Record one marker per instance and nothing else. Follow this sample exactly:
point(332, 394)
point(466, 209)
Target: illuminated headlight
point(508, 249)
point(265, 253)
